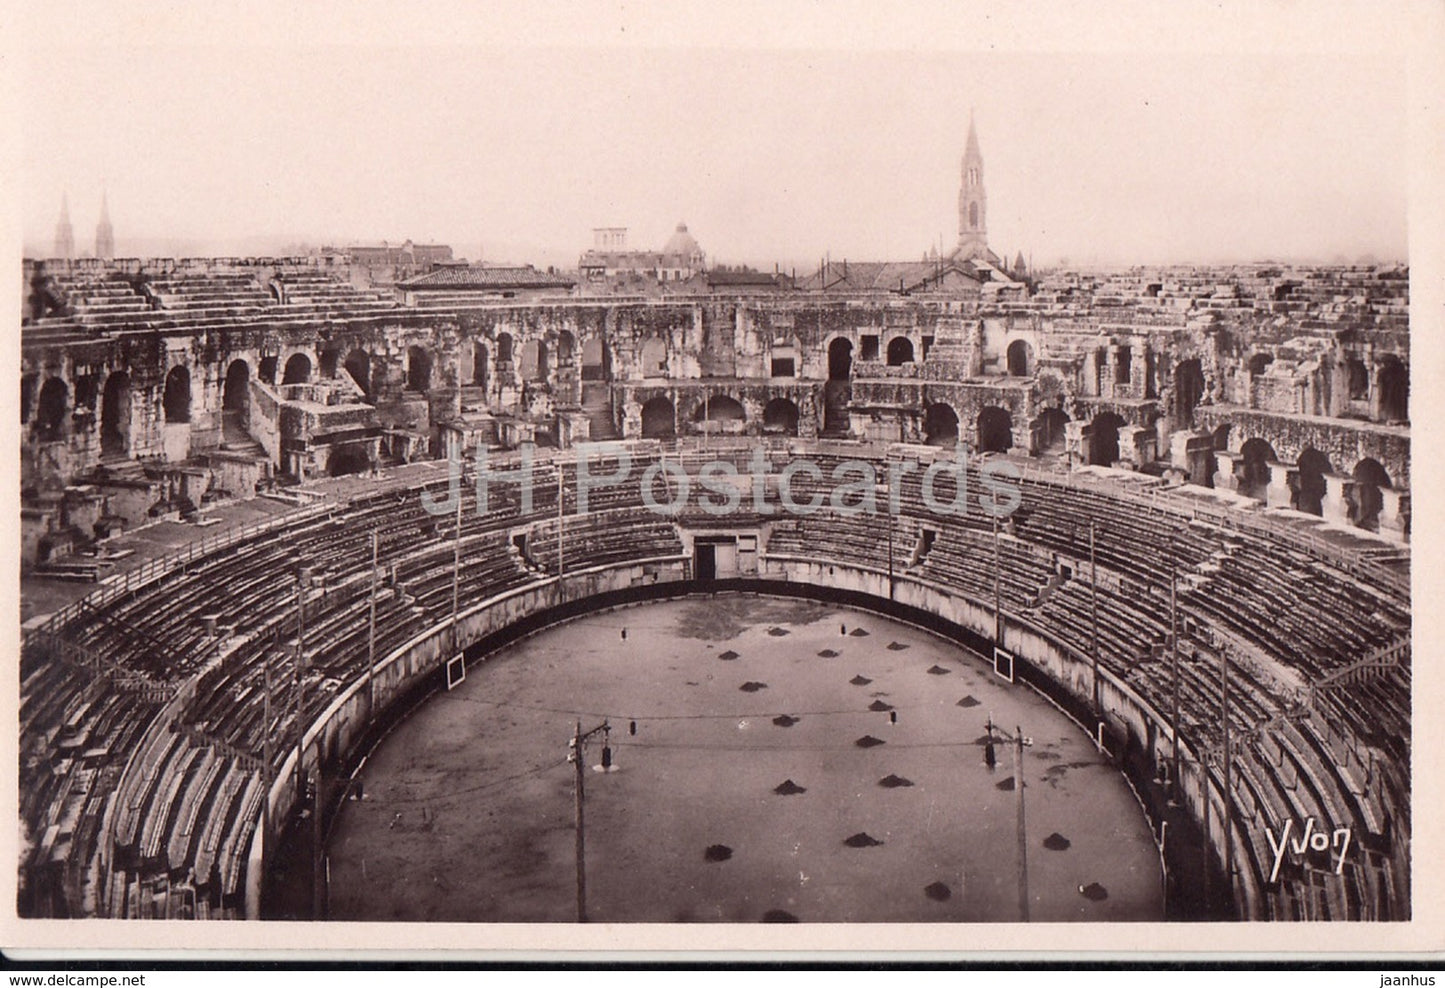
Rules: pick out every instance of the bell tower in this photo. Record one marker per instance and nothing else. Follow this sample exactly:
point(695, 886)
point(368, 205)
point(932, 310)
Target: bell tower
point(972, 201)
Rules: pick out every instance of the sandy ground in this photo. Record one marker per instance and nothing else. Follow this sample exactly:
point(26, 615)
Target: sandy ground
point(468, 807)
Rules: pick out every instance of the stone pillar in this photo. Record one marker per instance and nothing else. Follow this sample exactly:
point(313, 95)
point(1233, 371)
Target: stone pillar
point(1395, 514)
point(1074, 444)
point(1023, 439)
point(1283, 479)
point(1227, 468)
point(1131, 439)
point(1339, 491)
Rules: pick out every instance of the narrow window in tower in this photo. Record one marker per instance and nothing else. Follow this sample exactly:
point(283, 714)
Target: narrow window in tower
point(973, 215)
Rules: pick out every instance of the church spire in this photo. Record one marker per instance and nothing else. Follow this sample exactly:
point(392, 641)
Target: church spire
point(104, 234)
point(64, 236)
point(972, 201)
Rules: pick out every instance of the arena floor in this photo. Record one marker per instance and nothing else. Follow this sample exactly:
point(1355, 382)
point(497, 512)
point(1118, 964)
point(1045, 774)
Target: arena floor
point(467, 813)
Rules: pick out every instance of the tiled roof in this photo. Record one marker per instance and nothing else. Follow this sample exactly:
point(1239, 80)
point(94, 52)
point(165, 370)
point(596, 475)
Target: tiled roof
point(487, 278)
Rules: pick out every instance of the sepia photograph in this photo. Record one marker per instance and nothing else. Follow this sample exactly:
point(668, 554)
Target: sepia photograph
point(489, 475)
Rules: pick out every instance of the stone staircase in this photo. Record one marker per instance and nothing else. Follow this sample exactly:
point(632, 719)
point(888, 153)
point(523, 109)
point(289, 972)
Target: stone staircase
point(597, 406)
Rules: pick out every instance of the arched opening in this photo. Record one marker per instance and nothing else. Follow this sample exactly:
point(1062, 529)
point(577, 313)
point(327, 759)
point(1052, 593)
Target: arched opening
point(840, 359)
point(329, 361)
point(504, 349)
point(1221, 437)
point(347, 459)
point(719, 408)
point(533, 366)
point(358, 365)
point(566, 347)
point(479, 365)
point(780, 417)
point(1104, 439)
point(50, 412)
point(1394, 390)
point(1358, 378)
point(1123, 366)
point(940, 425)
point(995, 430)
point(115, 415)
point(1020, 358)
point(1050, 430)
point(1188, 390)
point(418, 369)
point(234, 394)
point(1256, 456)
point(1259, 363)
point(176, 400)
point(1313, 465)
point(85, 392)
point(594, 360)
point(298, 370)
point(654, 357)
point(900, 351)
point(1151, 372)
point(1370, 479)
point(659, 420)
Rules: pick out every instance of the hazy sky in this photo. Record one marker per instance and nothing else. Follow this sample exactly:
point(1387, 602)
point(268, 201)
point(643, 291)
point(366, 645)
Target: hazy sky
point(768, 152)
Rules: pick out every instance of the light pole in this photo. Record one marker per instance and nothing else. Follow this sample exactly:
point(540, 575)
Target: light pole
point(1019, 743)
point(577, 756)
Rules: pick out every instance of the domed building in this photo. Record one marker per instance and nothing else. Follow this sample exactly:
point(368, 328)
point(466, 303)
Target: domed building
point(680, 258)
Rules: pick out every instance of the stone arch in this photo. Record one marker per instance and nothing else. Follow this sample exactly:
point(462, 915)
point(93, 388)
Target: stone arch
point(1049, 430)
point(940, 424)
point(595, 360)
point(654, 357)
point(995, 430)
point(479, 364)
point(566, 348)
point(176, 399)
point(840, 359)
point(780, 417)
point(418, 369)
point(358, 365)
point(115, 415)
point(719, 408)
point(1188, 389)
point(1357, 377)
point(234, 393)
point(1370, 479)
point(1019, 358)
point(347, 458)
point(1255, 457)
point(1220, 437)
point(1393, 388)
point(28, 385)
point(504, 349)
point(659, 419)
point(1104, 439)
point(50, 410)
point(900, 351)
point(1310, 495)
point(533, 365)
point(267, 371)
point(298, 370)
point(330, 358)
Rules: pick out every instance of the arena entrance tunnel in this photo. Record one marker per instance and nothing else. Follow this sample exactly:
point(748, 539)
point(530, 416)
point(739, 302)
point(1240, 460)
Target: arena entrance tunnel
point(294, 887)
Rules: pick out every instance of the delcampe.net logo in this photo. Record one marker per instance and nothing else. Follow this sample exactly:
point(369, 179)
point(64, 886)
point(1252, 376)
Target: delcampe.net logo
point(718, 488)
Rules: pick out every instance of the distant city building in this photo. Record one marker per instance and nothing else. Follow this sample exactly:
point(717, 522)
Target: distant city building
point(104, 234)
point(680, 258)
point(64, 236)
point(387, 264)
point(457, 284)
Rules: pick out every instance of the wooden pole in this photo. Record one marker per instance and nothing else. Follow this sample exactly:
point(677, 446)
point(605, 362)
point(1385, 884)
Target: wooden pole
point(371, 636)
point(581, 842)
point(1094, 612)
point(1022, 829)
point(1174, 672)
